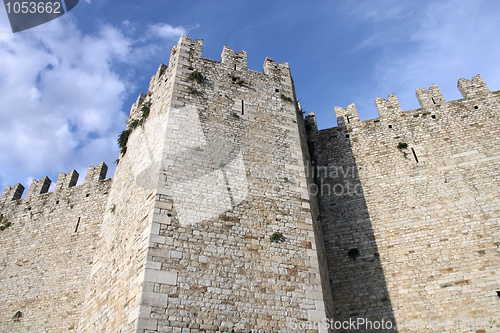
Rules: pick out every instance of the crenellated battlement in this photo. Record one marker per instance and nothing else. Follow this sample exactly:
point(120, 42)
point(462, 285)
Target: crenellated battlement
point(64, 181)
point(187, 50)
point(271, 67)
point(173, 85)
point(38, 187)
point(430, 100)
point(388, 108)
point(474, 88)
point(347, 115)
point(237, 60)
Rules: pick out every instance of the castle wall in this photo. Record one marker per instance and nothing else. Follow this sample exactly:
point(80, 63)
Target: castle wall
point(214, 171)
point(230, 212)
point(411, 233)
point(47, 251)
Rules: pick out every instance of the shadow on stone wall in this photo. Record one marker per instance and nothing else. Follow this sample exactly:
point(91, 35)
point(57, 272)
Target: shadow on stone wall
point(356, 275)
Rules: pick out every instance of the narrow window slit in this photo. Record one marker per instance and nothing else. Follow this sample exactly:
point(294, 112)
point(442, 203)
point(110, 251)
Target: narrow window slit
point(414, 154)
point(348, 120)
point(234, 66)
point(242, 107)
point(433, 101)
point(77, 224)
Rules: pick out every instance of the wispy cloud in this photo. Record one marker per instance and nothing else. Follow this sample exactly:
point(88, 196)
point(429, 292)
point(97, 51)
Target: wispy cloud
point(166, 31)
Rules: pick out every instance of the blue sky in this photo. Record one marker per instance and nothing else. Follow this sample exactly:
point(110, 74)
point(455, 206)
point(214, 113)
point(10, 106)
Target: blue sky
point(66, 87)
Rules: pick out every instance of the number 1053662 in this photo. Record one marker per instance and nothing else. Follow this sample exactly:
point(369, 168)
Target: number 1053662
point(26, 7)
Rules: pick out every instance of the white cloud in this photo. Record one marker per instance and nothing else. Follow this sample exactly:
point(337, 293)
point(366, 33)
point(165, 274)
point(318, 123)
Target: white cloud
point(61, 97)
point(166, 31)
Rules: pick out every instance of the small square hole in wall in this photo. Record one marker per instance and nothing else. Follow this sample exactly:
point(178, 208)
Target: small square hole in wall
point(498, 293)
point(390, 126)
point(433, 116)
point(476, 107)
point(347, 136)
point(87, 195)
point(276, 90)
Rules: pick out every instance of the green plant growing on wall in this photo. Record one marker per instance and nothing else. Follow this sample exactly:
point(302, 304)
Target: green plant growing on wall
point(235, 115)
point(145, 109)
point(193, 90)
point(196, 76)
point(285, 98)
point(122, 141)
point(112, 210)
point(4, 224)
point(17, 316)
point(402, 146)
point(133, 124)
point(124, 135)
point(238, 80)
point(277, 237)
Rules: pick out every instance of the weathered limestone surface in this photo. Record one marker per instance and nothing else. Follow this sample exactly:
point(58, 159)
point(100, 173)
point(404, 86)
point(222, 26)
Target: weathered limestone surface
point(47, 251)
point(425, 218)
point(215, 170)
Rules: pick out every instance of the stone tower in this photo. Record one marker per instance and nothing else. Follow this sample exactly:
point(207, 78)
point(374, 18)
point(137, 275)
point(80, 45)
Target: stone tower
point(209, 225)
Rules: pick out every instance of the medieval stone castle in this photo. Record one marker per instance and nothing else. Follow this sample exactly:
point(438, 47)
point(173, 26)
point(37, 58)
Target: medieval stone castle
point(230, 212)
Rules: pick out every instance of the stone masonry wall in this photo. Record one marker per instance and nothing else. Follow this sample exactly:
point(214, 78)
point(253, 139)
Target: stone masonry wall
point(208, 177)
point(232, 175)
point(47, 250)
point(411, 233)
